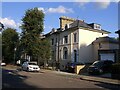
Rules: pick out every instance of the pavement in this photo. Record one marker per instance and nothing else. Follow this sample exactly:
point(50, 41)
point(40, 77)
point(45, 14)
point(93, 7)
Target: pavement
point(102, 79)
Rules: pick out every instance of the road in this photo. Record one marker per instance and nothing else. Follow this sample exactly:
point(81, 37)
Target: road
point(46, 79)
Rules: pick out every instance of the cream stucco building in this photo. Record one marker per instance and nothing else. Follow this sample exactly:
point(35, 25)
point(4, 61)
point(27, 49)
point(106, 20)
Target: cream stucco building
point(74, 41)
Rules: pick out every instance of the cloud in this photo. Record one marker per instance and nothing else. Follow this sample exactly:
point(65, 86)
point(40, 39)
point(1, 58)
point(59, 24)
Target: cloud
point(115, 1)
point(9, 23)
point(82, 2)
point(59, 9)
point(41, 9)
point(102, 4)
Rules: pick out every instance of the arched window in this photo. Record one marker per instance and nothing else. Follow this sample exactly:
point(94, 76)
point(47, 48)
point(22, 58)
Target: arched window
point(65, 53)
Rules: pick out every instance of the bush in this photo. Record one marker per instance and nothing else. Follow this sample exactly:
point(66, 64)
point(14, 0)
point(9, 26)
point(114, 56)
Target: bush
point(116, 71)
point(116, 68)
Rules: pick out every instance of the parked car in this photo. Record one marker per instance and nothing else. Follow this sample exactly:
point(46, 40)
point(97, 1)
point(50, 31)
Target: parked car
point(30, 66)
point(99, 67)
point(18, 62)
point(3, 64)
point(70, 67)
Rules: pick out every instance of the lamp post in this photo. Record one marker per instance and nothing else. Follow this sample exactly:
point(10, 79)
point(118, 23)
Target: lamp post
point(14, 55)
point(1, 28)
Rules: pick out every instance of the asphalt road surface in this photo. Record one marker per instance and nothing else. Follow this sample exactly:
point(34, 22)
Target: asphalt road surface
point(47, 79)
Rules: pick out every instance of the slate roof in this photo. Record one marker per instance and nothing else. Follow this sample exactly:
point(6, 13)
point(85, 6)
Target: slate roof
point(106, 39)
point(80, 23)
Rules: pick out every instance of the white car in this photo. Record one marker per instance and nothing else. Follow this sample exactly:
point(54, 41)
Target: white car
point(3, 64)
point(30, 66)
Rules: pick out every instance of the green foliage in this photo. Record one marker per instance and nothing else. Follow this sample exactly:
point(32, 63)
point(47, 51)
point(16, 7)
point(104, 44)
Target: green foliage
point(115, 74)
point(116, 68)
point(44, 52)
point(31, 42)
point(45, 49)
point(33, 21)
point(31, 28)
point(117, 38)
point(9, 42)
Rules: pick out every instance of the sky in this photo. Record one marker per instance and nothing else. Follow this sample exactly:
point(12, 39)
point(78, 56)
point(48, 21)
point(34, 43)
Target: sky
point(104, 13)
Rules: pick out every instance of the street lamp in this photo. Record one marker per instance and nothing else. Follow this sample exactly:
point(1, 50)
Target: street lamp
point(1, 28)
point(14, 55)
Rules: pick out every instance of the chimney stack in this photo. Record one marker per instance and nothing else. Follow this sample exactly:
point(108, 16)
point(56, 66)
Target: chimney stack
point(65, 20)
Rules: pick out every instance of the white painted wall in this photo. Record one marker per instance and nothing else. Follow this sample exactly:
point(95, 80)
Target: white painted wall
point(62, 44)
point(86, 38)
point(83, 45)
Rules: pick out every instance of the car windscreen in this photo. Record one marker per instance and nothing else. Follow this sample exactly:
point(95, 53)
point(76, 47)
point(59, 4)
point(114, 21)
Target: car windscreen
point(97, 64)
point(32, 64)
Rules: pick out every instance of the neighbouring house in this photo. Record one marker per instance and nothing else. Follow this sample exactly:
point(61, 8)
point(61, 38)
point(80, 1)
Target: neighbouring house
point(106, 48)
point(78, 41)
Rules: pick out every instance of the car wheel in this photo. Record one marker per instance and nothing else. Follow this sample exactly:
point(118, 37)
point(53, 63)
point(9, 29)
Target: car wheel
point(27, 69)
point(22, 68)
point(38, 71)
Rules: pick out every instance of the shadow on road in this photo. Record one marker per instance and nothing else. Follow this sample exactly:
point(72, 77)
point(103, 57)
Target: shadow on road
point(108, 86)
point(12, 80)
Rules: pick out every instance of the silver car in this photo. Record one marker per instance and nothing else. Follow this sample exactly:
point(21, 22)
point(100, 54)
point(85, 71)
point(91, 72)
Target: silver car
point(30, 66)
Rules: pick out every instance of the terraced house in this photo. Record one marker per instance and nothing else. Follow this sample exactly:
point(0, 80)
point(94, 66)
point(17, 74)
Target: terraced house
point(78, 41)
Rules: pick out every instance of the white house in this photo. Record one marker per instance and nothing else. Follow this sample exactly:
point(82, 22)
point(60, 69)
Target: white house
point(74, 41)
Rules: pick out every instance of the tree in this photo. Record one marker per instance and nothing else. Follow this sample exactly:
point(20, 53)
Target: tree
point(31, 28)
point(45, 51)
point(9, 42)
point(117, 38)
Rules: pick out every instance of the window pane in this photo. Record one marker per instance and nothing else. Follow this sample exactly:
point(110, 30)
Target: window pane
point(52, 41)
point(75, 37)
point(56, 40)
point(65, 53)
point(65, 39)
